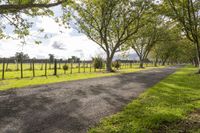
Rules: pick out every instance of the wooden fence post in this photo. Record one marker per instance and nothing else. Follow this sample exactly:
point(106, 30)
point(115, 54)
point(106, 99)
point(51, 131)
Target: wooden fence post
point(30, 66)
point(7, 65)
point(71, 67)
point(59, 64)
point(55, 67)
point(95, 69)
point(131, 64)
point(84, 65)
point(3, 69)
point(45, 68)
point(21, 62)
point(90, 67)
point(33, 67)
point(79, 65)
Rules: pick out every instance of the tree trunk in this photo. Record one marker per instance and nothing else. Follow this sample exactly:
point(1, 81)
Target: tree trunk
point(164, 61)
point(194, 61)
point(109, 64)
point(198, 56)
point(141, 63)
point(156, 62)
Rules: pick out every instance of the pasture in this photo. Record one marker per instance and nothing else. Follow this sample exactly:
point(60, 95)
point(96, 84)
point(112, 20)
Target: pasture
point(40, 75)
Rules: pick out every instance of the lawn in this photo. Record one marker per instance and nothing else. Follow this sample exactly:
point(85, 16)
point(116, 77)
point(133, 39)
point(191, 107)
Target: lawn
point(166, 107)
point(14, 82)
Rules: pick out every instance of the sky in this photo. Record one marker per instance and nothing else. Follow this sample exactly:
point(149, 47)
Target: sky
point(62, 44)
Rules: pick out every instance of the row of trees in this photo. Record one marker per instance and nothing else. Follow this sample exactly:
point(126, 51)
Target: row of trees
point(161, 30)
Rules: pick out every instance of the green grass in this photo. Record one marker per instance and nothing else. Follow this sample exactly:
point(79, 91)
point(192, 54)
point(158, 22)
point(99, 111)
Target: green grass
point(18, 82)
point(166, 103)
point(39, 70)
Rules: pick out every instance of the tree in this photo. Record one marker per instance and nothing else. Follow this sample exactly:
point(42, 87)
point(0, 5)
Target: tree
point(51, 58)
point(186, 12)
point(13, 6)
point(143, 41)
point(19, 57)
point(74, 59)
point(16, 13)
point(109, 23)
point(173, 49)
point(166, 47)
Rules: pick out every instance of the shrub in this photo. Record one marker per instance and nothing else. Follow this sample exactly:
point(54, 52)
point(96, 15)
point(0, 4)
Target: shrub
point(65, 67)
point(98, 62)
point(116, 64)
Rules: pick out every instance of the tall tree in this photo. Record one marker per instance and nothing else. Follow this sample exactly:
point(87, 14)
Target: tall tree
point(143, 41)
point(19, 56)
point(109, 23)
point(51, 58)
point(186, 12)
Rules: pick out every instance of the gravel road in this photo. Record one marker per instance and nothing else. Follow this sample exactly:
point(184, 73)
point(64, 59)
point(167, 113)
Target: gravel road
point(72, 107)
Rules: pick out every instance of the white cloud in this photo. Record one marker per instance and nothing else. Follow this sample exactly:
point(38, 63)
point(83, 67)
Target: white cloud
point(71, 43)
point(75, 44)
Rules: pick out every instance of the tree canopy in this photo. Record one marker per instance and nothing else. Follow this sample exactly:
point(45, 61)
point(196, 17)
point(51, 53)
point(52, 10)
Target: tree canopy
point(15, 15)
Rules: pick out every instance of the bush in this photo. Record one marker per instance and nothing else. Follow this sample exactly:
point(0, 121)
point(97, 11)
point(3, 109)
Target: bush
point(116, 64)
point(98, 62)
point(65, 67)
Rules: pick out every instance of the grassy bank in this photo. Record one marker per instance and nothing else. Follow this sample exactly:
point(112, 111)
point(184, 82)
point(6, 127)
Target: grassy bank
point(160, 109)
point(17, 83)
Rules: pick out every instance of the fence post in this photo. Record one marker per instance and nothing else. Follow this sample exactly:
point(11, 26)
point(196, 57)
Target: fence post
point(55, 67)
point(79, 65)
point(84, 65)
point(71, 67)
point(45, 68)
point(33, 67)
point(59, 64)
point(7, 65)
point(95, 68)
point(30, 66)
point(90, 67)
point(21, 68)
point(3, 69)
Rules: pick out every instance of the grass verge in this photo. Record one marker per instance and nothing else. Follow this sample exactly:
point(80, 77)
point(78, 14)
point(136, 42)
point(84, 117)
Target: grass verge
point(17, 83)
point(160, 108)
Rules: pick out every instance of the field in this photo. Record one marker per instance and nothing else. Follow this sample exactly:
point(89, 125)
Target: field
point(11, 72)
point(13, 78)
point(171, 106)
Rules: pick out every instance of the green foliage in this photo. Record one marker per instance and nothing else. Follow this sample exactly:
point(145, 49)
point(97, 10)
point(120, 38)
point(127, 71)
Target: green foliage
point(51, 58)
point(18, 15)
point(65, 67)
point(98, 62)
point(19, 56)
point(116, 64)
point(109, 23)
point(166, 103)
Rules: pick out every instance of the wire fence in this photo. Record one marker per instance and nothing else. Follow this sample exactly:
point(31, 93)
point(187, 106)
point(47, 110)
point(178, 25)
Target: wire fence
point(12, 69)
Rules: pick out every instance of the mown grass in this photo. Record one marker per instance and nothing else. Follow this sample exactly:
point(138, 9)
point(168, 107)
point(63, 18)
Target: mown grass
point(18, 82)
point(166, 103)
point(40, 69)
